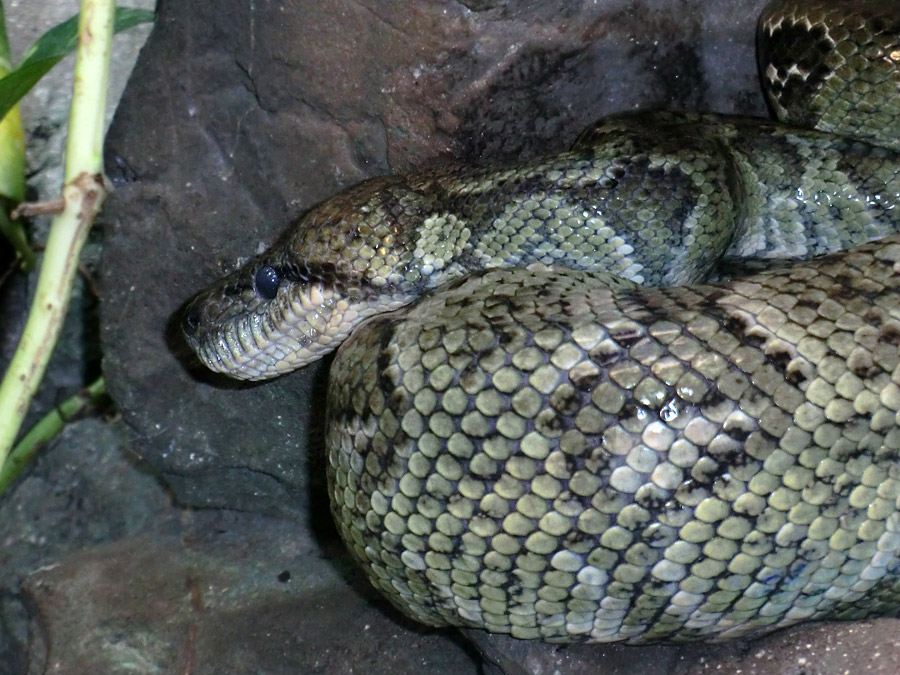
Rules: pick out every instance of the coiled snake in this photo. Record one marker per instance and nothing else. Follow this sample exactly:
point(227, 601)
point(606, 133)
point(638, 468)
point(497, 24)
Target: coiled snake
point(571, 436)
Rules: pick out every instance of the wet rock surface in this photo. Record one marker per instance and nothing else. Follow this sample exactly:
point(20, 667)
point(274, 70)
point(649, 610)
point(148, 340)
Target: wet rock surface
point(238, 118)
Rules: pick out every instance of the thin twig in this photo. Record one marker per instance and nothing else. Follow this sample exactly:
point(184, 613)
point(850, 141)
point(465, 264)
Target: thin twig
point(30, 209)
point(47, 428)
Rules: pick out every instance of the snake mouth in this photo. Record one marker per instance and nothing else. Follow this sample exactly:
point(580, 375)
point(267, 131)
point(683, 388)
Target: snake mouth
point(263, 339)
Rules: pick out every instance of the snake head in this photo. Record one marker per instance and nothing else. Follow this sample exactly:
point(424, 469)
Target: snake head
point(271, 317)
point(299, 300)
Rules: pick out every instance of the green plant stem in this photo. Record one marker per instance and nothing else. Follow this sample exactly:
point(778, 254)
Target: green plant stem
point(12, 162)
point(47, 428)
point(84, 150)
point(83, 193)
point(5, 54)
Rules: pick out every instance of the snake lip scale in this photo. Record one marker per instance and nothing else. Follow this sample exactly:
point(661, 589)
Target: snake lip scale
point(556, 413)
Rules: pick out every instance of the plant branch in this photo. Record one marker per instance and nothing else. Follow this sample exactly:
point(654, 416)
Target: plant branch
point(47, 428)
point(84, 191)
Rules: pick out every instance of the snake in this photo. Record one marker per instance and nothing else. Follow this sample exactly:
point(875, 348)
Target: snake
point(643, 390)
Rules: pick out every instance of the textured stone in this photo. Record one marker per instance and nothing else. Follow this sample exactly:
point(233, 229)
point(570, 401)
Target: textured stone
point(227, 594)
point(819, 649)
point(84, 490)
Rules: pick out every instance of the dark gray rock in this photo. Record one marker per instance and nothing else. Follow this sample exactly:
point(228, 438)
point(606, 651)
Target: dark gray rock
point(504, 655)
point(83, 491)
point(832, 648)
point(871, 647)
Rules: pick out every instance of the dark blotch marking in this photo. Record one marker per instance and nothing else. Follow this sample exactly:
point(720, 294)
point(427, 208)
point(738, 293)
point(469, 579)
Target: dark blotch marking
point(889, 335)
point(386, 380)
point(237, 289)
point(650, 501)
point(755, 397)
point(397, 397)
point(627, 337)
point(630, 410)
point(689, 487)
point(737, 431)
point(779, 358)
point(504, 338)
point(796, 43)
point(712, 398)
point(605, 355)
point(707, 472)
point(842, 291)
point(565, 401)
point(548, 422)
point(795, 376)
point(577, 537)
point(755, 340)
point(470, 376)
point(737, 325)
point(873, 318)
point(585, 381)
point(712, 299)
point(325, 273)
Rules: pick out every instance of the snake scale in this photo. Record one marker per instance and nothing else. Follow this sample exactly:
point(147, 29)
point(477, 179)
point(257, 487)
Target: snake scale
point(569, 432)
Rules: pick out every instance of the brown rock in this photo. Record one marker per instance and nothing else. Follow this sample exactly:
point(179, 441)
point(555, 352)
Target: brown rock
point(224, 602)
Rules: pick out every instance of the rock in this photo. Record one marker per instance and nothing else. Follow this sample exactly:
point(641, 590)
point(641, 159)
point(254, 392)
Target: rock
point(504, 655)
point(230, 593)
point(832, 648)
point(83, 491)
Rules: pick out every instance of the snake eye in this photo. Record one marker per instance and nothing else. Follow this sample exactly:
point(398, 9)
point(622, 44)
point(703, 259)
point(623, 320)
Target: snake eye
point(267, 281)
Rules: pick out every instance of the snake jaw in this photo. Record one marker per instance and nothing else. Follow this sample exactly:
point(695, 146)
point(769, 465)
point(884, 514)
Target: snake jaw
point(238, 330)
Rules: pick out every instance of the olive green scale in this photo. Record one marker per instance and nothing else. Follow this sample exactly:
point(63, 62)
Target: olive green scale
point(536, 453)
point(569, 462)
point(567, 433)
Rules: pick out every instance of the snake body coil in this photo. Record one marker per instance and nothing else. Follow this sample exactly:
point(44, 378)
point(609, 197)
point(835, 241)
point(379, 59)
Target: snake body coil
point(563, 439)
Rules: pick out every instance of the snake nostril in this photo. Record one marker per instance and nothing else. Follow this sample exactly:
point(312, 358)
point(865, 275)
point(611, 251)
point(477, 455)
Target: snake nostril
point(190, 320)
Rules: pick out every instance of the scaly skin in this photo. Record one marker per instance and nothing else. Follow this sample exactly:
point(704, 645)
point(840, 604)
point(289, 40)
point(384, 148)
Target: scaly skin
point(531, 453)
point(655, 198)
point(570, 437)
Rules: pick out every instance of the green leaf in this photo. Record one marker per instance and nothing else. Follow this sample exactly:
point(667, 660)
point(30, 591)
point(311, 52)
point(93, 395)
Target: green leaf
point(50, 49)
